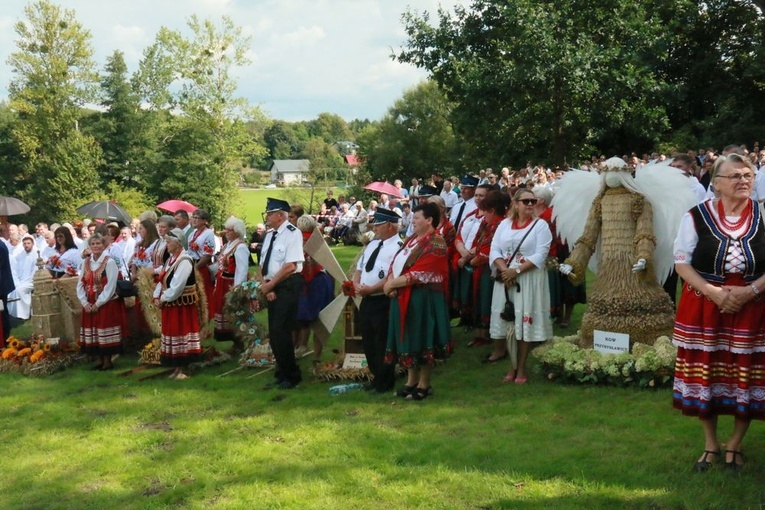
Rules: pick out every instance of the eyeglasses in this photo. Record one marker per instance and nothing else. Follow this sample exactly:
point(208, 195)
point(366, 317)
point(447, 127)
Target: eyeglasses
point(738, 177)
point(528, 201)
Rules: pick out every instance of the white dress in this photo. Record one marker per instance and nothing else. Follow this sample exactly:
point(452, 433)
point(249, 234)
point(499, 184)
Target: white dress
point(532, 298)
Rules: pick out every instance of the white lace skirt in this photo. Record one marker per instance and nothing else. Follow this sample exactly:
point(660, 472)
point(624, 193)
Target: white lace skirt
point(532, 308)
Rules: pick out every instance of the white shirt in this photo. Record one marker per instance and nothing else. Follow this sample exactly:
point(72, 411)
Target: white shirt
point(470, 227)
point(698, 189)
point(110, 288)
point(469, 206)
point(399, 260)
point(382, 264)
point(241, 258)
point(450, 198)
point(288, 247)
point(535, 247)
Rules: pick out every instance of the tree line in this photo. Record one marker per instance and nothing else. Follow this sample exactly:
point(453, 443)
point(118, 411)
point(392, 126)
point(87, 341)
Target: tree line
point(509, 81)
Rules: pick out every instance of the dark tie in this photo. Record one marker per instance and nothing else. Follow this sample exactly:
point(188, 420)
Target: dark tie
point(373, 258)
point(267, 259)
point(459, 217)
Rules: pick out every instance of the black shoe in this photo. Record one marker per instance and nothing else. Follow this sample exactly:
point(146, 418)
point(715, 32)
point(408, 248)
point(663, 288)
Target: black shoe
point(420, 393)
point(273, 384)
point(704, 464)
point(405, 391)
point(737, 455)
point(287, 385)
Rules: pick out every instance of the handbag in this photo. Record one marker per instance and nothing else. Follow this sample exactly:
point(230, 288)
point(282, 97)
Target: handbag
point(126, 288)
point(508, 312)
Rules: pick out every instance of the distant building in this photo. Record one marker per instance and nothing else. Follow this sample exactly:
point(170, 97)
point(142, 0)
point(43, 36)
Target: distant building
point(289, 171)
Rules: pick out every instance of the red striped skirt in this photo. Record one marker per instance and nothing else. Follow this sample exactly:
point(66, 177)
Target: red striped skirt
point(223, 329)
point(180, 343)
point(101, 332)
point(720, 367)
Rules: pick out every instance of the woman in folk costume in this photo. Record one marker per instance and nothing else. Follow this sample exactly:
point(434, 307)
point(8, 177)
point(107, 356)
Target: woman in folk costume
point(233, 263)
point(720, 324)
point(493, 210)
point(159, 255)
point(317, 292)
point(419, 331)
point(104, 320)
point(201, 251)
point(176, 294)
point(66, 260)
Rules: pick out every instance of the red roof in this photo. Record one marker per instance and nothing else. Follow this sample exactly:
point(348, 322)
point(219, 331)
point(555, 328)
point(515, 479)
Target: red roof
point(352, 159)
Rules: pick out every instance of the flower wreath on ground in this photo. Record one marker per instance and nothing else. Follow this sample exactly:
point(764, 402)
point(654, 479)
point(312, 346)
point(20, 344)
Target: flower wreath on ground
point(646, 366)
point(239, 311)
point(38, 356)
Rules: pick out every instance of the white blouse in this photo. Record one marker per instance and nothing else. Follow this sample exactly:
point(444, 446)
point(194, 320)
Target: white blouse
point(109, 291)
point(534, 248)
point(687, 239)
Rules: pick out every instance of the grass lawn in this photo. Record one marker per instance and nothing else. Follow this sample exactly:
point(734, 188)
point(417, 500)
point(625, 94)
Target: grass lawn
point(253, 201)
point(83, 439)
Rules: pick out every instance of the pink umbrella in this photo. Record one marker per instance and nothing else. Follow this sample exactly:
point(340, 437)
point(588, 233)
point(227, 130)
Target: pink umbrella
point(384, 187)
point(176, 205)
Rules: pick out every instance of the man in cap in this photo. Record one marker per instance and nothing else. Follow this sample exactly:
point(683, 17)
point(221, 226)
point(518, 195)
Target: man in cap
point(368, 280)
point(467, 203)
point(280, 270)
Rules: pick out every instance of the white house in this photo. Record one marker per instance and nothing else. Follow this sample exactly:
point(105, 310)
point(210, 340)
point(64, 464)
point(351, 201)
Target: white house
point(289, 171)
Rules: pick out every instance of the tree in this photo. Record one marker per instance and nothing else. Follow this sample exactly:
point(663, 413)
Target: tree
point(208, 143)
point(329, 127)
point(124, 130)
point(413, 139)
point(536, 78)
point(53, 77)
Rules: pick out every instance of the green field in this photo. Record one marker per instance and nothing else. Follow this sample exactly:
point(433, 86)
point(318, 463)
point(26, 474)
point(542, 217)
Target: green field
point(82, 439)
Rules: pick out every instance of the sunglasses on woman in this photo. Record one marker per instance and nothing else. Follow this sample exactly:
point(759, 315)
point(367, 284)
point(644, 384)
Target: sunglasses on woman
point(528, 201)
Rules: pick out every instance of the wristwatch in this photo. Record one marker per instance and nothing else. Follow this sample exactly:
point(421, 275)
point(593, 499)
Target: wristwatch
point(517, 271)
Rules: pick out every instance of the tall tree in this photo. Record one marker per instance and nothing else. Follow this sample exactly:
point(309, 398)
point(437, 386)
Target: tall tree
point(413, 139)
point(53, 76)
point(194, 77)
point(540, 78)
point(124, 130)
point(329, 127)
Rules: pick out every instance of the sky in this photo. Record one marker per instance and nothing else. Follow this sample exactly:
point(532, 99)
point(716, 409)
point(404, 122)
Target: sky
point(308, 56)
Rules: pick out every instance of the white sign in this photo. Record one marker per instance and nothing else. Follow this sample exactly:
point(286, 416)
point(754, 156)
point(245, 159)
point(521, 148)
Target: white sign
point(609, 342)
point(355, 361)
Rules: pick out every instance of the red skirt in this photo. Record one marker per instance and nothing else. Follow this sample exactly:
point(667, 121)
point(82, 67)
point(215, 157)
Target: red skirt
point(720, 367)
point(223, 330)
point(180, 343)
point(101, 333)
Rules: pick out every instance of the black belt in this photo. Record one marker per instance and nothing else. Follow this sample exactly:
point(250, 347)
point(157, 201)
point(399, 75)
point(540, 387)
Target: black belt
point(228, 275)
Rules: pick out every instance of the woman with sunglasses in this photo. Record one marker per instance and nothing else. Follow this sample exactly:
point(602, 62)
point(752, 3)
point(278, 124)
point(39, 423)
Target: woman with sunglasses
point(720, 325)
point(517, 257)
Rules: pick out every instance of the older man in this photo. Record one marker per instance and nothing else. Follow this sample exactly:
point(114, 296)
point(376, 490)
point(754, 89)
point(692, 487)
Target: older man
point(280, 271)
point(467, 203)
point(449, 196)
point(368, 280)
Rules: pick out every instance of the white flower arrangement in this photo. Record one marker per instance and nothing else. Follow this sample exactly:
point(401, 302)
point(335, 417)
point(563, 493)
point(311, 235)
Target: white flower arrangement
point(646, 366)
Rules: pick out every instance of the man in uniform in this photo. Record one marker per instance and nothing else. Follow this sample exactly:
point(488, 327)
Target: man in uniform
point(280, 269)
point(467, 203)
point(368, 280)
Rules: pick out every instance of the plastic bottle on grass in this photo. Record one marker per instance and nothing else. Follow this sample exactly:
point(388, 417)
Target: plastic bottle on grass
point(344, 388)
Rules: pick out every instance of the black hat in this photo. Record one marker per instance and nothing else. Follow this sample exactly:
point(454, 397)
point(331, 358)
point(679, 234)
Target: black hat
point(274, 204)
point(385, 216)
point(428, 191)
point(469, 181)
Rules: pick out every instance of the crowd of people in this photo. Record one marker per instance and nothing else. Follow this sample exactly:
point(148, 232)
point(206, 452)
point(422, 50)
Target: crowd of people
point(482, 248)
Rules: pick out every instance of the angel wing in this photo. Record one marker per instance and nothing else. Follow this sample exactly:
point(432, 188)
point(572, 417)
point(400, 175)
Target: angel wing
point(670, 194)
point(574, 193)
